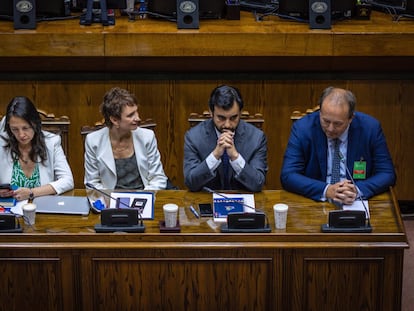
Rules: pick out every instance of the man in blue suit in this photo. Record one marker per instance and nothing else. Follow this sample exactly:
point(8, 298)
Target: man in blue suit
point(307, 164)
point(225, 152)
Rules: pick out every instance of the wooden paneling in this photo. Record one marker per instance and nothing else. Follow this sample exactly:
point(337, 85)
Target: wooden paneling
point(316, 276)
point(172, 280)
point(36, 278)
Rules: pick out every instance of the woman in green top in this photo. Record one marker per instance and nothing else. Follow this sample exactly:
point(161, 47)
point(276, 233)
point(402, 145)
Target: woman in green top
point(31, 160)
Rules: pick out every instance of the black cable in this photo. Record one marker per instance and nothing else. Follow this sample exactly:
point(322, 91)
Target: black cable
point(259, 6)
point(61, 18)
point(134, 13)
point(397, 18)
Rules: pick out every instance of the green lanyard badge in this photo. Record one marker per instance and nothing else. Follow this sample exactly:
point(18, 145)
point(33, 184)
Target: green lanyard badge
point(360, 168)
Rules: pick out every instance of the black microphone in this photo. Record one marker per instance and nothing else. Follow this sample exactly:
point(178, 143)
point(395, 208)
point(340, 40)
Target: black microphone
point(118, 201)
point(359, 197)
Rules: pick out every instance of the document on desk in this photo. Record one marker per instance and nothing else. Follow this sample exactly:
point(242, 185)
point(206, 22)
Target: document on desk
point(143, 201)
point(358, 206)
point(225, 203)
point(18, 208)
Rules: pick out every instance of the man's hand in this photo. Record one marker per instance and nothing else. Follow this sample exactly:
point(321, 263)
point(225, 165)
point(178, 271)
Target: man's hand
point(343, 192)
point(226, 142)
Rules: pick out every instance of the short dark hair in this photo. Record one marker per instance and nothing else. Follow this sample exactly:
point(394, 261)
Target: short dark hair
point(113, 103)
point(22, 107)
point(224, 97)
point(343, 94)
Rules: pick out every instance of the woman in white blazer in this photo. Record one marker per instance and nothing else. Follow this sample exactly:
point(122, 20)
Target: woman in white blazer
point(122, 155)
point(31, 160)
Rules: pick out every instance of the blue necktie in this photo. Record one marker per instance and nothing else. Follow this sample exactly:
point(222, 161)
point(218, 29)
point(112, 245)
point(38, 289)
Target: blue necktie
point(336, 162)
point(226, 166)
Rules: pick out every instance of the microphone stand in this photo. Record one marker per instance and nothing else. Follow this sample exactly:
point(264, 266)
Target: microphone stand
point(118, 201)
point(118, 219)
point(359, 197)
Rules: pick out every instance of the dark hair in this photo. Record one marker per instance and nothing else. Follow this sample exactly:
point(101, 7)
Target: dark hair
point(22, 107)
point(341, 94)
point(114, 101)
point(224, 97)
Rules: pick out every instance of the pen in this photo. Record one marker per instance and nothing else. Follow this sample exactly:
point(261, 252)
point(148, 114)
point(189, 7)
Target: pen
point(194, 211)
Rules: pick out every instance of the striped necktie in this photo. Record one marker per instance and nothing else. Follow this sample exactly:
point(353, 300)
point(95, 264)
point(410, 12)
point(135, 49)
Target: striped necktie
point(336, 162)
point(226, 166)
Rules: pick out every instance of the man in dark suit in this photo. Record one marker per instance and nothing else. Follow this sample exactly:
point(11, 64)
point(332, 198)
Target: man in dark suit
point(225, 152)
point(308, 162)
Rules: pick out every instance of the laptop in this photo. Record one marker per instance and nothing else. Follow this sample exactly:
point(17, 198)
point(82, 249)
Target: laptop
point(60, 204)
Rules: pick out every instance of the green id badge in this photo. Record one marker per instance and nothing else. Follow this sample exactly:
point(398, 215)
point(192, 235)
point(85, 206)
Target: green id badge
point(360, 169)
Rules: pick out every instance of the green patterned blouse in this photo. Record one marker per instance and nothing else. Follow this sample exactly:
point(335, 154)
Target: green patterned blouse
point(19, 178)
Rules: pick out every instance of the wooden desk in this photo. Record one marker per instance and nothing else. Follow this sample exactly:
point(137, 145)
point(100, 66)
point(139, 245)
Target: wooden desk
point(65, 265)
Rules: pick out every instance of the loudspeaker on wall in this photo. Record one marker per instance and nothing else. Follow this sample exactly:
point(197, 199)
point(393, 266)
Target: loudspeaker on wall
point(320, 14)
point(24, 14)
point(188, 14)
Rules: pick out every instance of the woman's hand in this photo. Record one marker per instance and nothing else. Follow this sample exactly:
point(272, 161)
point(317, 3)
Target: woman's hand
point(4, 193)
point(21, 193)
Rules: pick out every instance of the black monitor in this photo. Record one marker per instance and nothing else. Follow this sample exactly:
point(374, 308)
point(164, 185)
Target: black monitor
point(300, 8)
point(44, 8)
point(208, 9)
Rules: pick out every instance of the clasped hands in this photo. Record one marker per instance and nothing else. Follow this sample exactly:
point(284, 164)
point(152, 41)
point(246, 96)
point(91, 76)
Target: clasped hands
point(343, 192)
point(226, 142)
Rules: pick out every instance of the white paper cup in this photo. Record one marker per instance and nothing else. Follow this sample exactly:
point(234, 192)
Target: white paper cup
point(280, 211)
point(29, 213)
point(170, 215)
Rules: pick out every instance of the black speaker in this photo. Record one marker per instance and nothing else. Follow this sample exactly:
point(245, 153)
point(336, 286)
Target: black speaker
point(188, 14)
point(320, 14)
point(24, 14)
point(9, 224)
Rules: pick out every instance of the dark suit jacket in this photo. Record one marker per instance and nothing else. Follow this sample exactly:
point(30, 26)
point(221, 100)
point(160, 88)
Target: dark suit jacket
point(305, 161)
point(201, 140)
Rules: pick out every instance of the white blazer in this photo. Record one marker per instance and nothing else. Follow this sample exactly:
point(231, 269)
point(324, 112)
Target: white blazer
point(54, 171)
point(100, 168)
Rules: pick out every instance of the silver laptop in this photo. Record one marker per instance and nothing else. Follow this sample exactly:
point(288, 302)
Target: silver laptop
point(60, 204)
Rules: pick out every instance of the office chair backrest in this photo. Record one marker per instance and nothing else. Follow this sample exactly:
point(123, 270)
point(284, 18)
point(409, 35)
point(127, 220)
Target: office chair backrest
point(257, 119)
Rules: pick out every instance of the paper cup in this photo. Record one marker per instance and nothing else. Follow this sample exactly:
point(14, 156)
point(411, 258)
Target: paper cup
point(29, 213)
point(170, 215)
point(280, 211)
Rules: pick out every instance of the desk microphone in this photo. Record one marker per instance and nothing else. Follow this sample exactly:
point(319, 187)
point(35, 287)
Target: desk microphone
point(117, 219)
point(118, 201)
point(250, 222)
point(359, 197)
